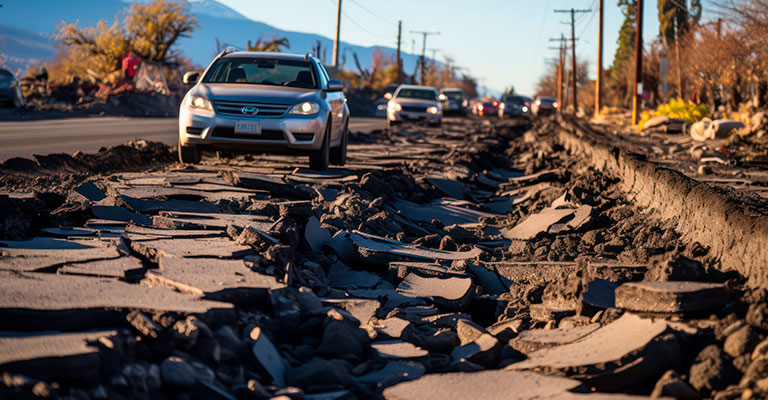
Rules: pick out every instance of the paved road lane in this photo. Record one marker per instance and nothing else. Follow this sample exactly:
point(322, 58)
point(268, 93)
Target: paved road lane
point(25, 138)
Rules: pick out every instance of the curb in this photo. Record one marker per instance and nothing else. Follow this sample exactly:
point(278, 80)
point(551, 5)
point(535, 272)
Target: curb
point(736, 233)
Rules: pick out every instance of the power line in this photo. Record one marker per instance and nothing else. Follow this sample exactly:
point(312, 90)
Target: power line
point(373, 13)
point(573, 13)
point(591, 18)
point(362, 28)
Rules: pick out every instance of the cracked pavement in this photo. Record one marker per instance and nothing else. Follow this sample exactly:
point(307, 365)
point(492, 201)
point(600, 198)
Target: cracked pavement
point(480, 260)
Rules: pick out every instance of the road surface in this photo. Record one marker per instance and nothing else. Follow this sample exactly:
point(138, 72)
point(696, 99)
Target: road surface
point(25, 138)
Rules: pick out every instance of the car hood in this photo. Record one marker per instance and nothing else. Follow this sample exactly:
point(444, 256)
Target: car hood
point(415, 102)
point(254, 93)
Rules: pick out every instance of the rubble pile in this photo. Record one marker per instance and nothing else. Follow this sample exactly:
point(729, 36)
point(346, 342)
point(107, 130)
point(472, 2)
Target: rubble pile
point(479, 260)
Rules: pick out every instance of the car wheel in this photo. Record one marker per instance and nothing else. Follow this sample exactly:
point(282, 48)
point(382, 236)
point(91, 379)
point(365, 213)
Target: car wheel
point(189, 154)
point(318, 159)
point(339, 154)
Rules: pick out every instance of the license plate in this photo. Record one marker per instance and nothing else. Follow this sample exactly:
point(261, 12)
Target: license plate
point(248, 127)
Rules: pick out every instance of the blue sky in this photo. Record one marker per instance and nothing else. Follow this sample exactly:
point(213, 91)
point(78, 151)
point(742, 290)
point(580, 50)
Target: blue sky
point(504, 41)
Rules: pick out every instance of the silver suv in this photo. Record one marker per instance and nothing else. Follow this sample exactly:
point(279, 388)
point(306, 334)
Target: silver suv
point(252, 102)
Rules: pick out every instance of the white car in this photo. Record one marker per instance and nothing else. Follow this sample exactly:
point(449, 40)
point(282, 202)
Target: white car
point(414, 103)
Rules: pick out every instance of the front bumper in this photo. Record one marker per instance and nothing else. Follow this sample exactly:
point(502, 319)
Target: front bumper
point(288, 132)
point(405, 116)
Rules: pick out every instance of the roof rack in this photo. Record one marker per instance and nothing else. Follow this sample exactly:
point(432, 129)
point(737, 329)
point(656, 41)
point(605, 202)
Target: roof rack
point(228, 50)
point(308, 55)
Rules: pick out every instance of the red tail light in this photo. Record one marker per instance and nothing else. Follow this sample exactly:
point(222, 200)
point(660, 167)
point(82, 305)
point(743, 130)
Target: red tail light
point(480, 107)
point(495, 103)
point(555, 104)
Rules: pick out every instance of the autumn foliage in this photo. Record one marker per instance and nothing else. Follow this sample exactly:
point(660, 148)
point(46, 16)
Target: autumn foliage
point(150, 30)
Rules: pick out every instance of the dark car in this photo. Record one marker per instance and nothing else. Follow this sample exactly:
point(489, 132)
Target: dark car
point(453, 101)
point(10, 89)
point(515, 107)
point(390, 90)
point(486, 108)
point(544, 105)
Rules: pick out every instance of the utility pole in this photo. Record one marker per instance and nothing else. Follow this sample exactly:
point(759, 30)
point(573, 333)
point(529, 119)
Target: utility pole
point(599, 82)
point(561, 69)
point(423, 50)
point(399, 60)
point(573, 54)
point(338, 34)
point(637, 97)
point(434, 54)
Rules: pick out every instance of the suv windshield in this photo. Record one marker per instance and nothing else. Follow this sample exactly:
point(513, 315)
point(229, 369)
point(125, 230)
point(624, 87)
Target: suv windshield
point(454, 95)
point(423, 94)
point(262, 71)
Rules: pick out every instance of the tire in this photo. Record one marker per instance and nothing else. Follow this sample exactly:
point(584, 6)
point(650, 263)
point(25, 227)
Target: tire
point(189, 154)
point(339, 153)
point(318, 159)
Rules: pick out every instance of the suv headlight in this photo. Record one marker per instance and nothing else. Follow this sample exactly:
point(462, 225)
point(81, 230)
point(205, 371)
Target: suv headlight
point(432, 110)
point(305, 108)
point(199, 103)
point(395, 106)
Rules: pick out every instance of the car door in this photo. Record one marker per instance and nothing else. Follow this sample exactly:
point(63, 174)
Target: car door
point(336, 101)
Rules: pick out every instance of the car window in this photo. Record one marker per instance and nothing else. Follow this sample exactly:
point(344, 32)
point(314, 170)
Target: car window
point(454, 95)
point(423, 94)
point(262, 71)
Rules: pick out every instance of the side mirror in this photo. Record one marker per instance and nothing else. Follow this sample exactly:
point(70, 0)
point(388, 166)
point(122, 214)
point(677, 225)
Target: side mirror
point(388, 96)
point(441, 97)
point(191, 77)
point(335, 86)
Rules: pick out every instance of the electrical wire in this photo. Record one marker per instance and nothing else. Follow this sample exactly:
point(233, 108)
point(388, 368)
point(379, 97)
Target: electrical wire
point(362, 28)
point(541, 29)
point(373, 13)
point(589, 22)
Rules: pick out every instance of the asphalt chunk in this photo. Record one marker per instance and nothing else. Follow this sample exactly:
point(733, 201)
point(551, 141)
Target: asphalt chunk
point(671, 296)
point(34, 301)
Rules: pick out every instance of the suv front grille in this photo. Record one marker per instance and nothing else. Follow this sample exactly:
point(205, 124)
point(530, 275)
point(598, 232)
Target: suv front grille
point(223, 132)
point(265, 109)
point(414, 109)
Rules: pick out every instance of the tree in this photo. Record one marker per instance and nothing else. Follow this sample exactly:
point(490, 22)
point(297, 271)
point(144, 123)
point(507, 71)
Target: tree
point(619, 83)
point(154, 28)
point(99, 48)
point(149, 30)
point(675, 21)
point(273, 44)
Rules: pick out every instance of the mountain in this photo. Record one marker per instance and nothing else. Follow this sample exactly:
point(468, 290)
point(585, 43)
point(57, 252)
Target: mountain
point(19, 48)
point(25, 37)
